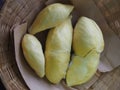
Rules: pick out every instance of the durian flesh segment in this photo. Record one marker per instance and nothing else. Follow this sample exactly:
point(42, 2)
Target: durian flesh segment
point(58, 47)
point(82, 68)
point(56, 65)
point(87, 36)
point(88, 43)
point(50, 17)
point(33, 53)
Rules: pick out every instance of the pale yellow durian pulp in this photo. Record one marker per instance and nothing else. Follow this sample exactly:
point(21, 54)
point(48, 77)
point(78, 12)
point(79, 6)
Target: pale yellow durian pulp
point(33, 53)
point(87, 36)
point(58, 48)
point(82, 68)
point(88, 43)
point(50, 17)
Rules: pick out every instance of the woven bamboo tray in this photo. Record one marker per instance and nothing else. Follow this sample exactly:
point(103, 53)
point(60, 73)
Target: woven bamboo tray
point(16, 12)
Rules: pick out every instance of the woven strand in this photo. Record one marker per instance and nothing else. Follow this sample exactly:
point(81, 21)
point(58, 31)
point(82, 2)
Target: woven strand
point(111, 11)
point(12, 13)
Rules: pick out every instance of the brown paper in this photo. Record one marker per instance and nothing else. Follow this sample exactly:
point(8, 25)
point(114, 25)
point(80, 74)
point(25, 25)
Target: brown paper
point(109, 57)
point(29, 76)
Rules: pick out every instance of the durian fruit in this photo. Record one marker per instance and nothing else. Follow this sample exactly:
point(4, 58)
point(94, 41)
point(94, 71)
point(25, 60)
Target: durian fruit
point(88, 43)
point(33, 53)
point(58, 48)
point(50, 17)
point(82, 68)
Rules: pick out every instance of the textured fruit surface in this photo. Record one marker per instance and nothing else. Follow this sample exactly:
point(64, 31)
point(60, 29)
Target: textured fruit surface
point(33, 53)
point(50, 17)
point(58, 47)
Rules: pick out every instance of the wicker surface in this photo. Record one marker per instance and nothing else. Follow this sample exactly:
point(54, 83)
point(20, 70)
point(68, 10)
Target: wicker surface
point(18, 11)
